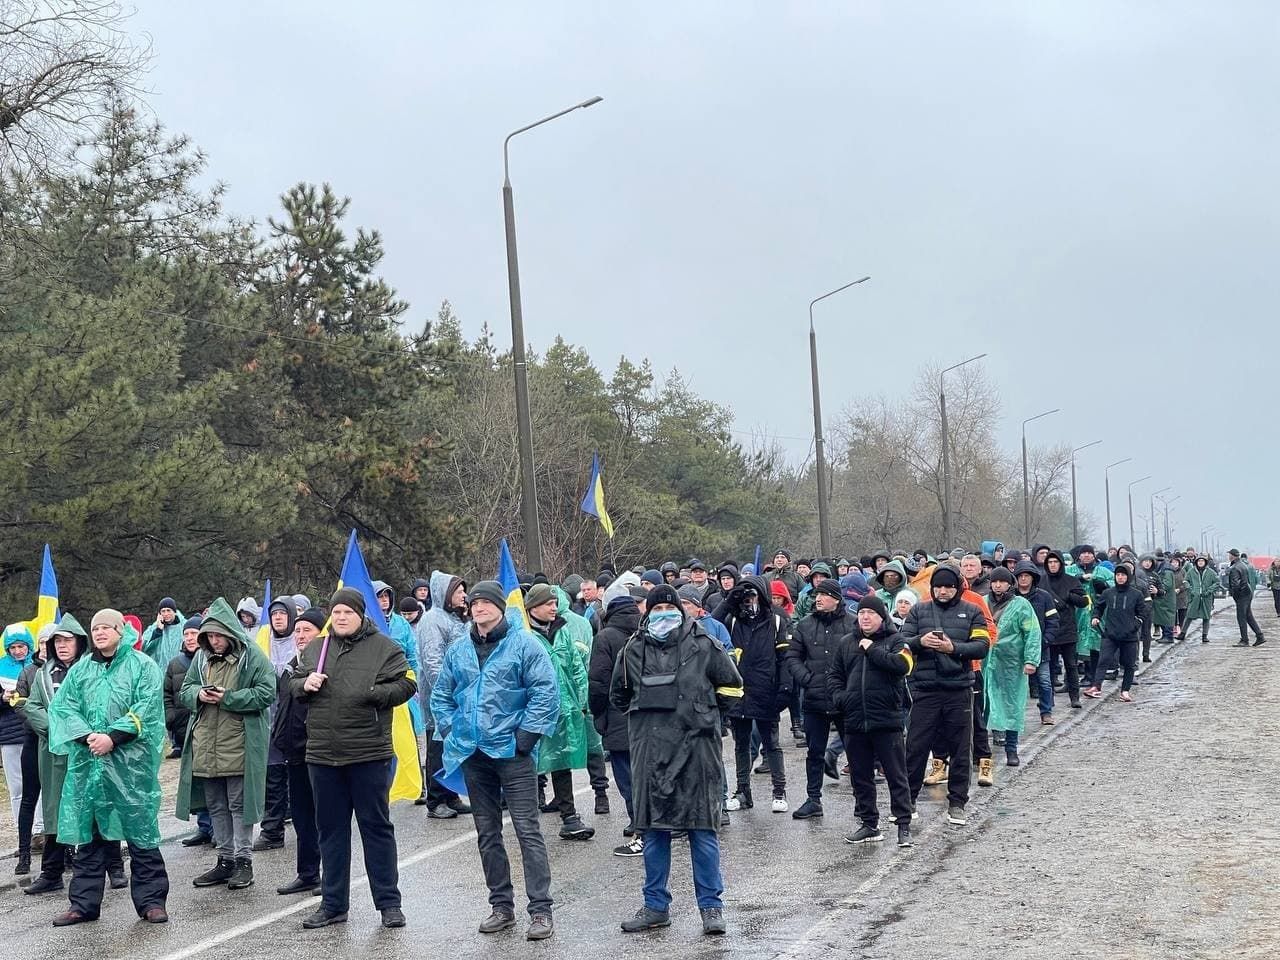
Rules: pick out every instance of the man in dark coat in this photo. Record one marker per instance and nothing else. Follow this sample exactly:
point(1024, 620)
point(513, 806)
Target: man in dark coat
point(813, 645)
point(761, 636)
point(1069, 596)
point(1240, 590)
point(621, 620)
point(668, 679)
point(1027, 576)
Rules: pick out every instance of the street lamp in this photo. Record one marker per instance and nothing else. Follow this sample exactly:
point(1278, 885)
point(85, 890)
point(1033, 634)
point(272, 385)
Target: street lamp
point(946, 450)
point(1132, 484)
point(1026, 495)
point(1153, 515)
point(524, 431)
point(1107, 477)
point(1075, 517)
point(824, 524)
point(1168, 538)
point(1204, 547)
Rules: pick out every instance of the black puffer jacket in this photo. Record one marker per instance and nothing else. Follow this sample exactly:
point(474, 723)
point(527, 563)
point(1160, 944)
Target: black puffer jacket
point(1068, 594)
point(289, 725)
point(813, 646)
point(869, 686)
point(1120, 608)
point(965, 625)
point(621, 620)
point(176, 713)
point(760, 645)
point(349, 718)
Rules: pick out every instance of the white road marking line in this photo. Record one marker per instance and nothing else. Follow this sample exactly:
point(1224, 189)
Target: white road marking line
point(311, 903)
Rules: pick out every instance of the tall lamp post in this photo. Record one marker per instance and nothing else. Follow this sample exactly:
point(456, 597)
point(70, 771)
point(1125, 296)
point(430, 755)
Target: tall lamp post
point(1132, 484)
point(1075, 514)
point(1204, 547)
point(1152, 507)
point(1026, 493)
point(1168, 538)
point(824, 521)
point(946, 449)
point(524, 424)
point(1107, 478)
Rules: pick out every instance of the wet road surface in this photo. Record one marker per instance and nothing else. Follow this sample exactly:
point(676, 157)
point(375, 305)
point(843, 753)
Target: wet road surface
point(1140, 830)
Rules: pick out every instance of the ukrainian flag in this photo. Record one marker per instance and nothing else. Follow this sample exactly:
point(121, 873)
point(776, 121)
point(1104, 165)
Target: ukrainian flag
point(406, 781)
point(593, 499)
point(47, 601)
point(510, 583)
point(263, 636)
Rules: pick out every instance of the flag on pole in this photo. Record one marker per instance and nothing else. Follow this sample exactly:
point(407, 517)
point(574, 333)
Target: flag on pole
point(510, 583)
point(406, 781)
point(759, 572)
point(47, 598)
point(263, 636)
point(593, 499)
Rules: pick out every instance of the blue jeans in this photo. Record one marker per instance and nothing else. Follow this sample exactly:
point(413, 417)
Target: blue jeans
point(704, 845)
point(1011, 741)
point(1044, 677)
point(620, 761)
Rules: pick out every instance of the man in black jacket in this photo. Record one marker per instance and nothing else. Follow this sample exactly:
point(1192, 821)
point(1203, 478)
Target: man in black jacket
point(621, 620)
point(813, 645)
point(760, 636)
point(1027, 576)
point(351, 682)
point(866, 685)
point(1119, 615)
point(945, 634)
point(1241, 591)
point(1069, 596)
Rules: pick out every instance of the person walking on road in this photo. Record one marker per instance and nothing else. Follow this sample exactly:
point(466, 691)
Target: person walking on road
point(867, 688)
point(1118, 615)
point(495, 698)
point(108, 721)
point(1273, 583)
point(351, 683)
point(229, 689)
point(1240, 587)
point(1202, 589)
point(668, 679)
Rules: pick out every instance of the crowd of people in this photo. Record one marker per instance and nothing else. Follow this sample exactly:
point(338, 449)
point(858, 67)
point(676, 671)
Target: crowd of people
point(911, 667)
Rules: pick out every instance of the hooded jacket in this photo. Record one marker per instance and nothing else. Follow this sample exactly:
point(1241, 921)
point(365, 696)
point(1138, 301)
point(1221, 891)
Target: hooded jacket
point(885, 592)
point(1069, 597)
point(804, 605)
point(12, 730)
point(1020, 644)
point(1202, 590)
point(760, 646)
point(964, 624)
point(1164, 604)
point(809, 657)
point(233, 733)
point(282, 648)
point(438, 629)
point(868, 687)
point(1041, 600)
point(1120, 610)
point(620, 621)
point(176, 713)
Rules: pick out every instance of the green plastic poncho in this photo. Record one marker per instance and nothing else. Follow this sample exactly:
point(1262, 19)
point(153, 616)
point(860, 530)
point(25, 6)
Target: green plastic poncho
point(579, 628)
point(565, 748)
point(1003, 682)
point(118, 794)
point(1095, 584)
point(251, 698)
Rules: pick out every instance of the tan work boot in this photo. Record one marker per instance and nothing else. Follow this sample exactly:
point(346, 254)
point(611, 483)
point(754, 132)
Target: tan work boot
point(986, 772)
point(937, 773)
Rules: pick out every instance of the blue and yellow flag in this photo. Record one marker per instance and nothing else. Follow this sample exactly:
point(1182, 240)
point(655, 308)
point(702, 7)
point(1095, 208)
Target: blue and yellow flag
point(593, 499)
point(263, 636)
point(47, 599)
point(406, 782)
point(510, 583)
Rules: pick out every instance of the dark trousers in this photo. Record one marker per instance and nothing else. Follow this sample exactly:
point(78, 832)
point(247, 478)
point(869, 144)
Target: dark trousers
point(1189, 625)
point(768, 730)
point(488, 782)
point(436, 792)
point(941, 722)
point(360, 789)
point(981, 735)
point(620, 760)
point(1126, 651)
point(562, 793)
point(595, 773)
point(862, 750)
point(148, 881)
point(1244, 617)
point(30, 791)
point(277, 802)
point(1275, 595)
point(53, 861)
point(1067, 654)
point(817, 727)
point(302, 810)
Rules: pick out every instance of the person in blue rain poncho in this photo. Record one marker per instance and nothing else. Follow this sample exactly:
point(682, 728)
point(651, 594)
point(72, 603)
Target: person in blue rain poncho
point(401, 631)
point(496, 696)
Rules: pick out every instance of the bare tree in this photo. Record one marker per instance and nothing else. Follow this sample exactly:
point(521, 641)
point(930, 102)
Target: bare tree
point(62, 67)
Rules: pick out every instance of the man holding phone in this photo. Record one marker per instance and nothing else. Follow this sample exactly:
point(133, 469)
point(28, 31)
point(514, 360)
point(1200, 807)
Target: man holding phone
point(946, 634)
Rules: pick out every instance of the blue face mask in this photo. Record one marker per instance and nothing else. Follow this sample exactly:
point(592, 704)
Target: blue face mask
point(662, 623)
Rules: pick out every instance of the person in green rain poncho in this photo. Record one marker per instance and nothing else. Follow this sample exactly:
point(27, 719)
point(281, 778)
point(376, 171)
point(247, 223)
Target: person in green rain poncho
point(107, 719)
point(1015, 656)
point(579, 630)
point(1096, 579)
point(229, 688)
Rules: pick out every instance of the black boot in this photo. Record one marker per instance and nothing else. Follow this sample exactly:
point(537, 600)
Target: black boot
point(426, 778)
point(43, 884)
point(242, 877)
point(221, 873)
point(23, 866)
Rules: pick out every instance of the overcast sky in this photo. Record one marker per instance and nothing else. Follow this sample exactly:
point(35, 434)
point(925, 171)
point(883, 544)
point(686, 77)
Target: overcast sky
point(1086, 189)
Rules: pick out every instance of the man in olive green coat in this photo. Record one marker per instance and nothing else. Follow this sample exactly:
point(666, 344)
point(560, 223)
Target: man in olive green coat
point(67, 644)
point(229, 688)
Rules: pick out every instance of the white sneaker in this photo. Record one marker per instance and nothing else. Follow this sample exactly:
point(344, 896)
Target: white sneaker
point(780, 805)
point(733, 803)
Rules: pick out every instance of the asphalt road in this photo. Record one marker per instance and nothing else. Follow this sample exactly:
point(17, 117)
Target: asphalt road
point(1138, 830)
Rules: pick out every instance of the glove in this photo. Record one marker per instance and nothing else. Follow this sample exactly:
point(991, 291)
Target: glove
point(525, 742)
